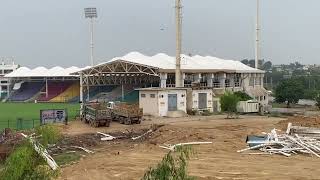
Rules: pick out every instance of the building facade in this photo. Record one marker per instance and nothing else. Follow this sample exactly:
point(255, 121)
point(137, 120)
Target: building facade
point(5, 83)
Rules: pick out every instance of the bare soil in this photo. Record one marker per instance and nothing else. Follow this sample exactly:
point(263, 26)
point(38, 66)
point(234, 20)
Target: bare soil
point(127, 159)
point(301, 121)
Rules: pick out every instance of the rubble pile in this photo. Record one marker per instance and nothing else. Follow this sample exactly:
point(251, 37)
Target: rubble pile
point(296, 140)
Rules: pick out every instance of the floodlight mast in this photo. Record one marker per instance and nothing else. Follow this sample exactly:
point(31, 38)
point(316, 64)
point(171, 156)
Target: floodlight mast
point(257, 47)
point(91, 13)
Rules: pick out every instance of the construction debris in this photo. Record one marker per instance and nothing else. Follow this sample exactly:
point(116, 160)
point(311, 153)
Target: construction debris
point(173, 147)
point(42, 152)
point(143, 135)
point(305, 140)
point(107, 137)
point(82, 148)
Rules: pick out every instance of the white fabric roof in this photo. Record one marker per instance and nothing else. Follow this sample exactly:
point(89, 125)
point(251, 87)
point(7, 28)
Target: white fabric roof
point(44, 72)
point(165, 62)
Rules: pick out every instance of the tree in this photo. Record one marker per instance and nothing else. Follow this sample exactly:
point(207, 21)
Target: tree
point(229, 102)
point(289, 91)
point(242, 96)
point(267, 66)
point(245, 61)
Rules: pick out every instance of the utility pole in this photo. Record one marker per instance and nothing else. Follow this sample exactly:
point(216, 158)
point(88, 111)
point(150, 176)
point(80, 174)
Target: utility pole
point(178, 73)
point(257, 36)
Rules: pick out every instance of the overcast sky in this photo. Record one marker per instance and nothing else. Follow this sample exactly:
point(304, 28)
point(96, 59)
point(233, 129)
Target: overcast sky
point(55, 32)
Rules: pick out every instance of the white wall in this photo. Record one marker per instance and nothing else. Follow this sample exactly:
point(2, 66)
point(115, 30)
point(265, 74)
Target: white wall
point(163, 101)
point(158, 106)
point(195, 98)
point(148, 104)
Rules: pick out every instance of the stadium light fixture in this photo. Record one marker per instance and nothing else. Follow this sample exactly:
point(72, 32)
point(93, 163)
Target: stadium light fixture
point(91, 13)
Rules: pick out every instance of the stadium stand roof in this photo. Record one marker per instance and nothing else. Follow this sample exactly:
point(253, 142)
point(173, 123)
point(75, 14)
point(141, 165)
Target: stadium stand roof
point(57, 71)
point(164, 63)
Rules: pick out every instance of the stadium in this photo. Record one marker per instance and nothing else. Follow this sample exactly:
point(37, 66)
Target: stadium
point(118, 79)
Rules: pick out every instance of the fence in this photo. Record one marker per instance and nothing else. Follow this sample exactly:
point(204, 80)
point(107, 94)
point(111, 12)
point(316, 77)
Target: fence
point(19, 124)
point(23, 124)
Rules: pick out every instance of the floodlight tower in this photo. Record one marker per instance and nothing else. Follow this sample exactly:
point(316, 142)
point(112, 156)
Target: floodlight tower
point(91, 13)
point(257, 48)
point(178, 73)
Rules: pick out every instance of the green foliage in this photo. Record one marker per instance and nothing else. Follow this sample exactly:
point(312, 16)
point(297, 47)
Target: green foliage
point(310, 94)
point(65, 158)
point(19, 163)
point(50, 134)
point(317, 99)
point(172, 167)
point(242, 96)
point(229, 102)
point(289, 91)
point(26, 164)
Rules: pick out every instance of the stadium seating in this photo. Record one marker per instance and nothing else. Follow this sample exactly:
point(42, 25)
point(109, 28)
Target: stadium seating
point(70, 93)
point(54, 89)
point(26, 91)
point(95, 93)
point(131, 97)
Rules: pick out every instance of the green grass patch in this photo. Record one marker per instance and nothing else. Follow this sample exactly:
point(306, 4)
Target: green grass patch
point(30, 113)
point(66, 158)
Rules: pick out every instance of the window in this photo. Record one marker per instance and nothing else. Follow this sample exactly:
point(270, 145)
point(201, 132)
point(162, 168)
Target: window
point(152, 96)
point(143, 95)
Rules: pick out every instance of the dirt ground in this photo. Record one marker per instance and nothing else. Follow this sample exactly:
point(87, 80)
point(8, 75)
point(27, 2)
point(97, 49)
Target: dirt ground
point(129, 160)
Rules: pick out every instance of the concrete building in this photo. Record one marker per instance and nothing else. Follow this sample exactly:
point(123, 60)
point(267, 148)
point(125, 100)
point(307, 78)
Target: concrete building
point(213, 73)
point(163, 101)
point(5, 83)
point(200, 99)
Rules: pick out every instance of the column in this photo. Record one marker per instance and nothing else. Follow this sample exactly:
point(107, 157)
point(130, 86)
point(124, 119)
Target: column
point(46, 87)
point(88, 88)
point(262, 80)
point(183, 78)
point(81, 88)
point(197, 78)
point(163, 80)
point(222, 80)
point(81, 94)
point(210, 78)
point(8, 90)
point(232, 76)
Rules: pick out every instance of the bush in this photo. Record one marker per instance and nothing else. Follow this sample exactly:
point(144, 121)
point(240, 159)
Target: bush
point(19, 163)
point(229, 102)
point(172, 167)
point(242, 96)
point(25, 163)
point(50, 134)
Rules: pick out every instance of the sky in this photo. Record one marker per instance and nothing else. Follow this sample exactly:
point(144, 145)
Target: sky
point(55, 33)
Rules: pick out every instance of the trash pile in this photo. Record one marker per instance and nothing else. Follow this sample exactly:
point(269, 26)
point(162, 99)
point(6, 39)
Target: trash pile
point(8, 139)
point(296, 140)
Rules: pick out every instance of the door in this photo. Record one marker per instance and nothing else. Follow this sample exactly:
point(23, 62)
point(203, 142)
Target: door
point(172, 102)
point(202, 101)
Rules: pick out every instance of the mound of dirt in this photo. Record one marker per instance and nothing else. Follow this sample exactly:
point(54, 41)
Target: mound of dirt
point(300, 121)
